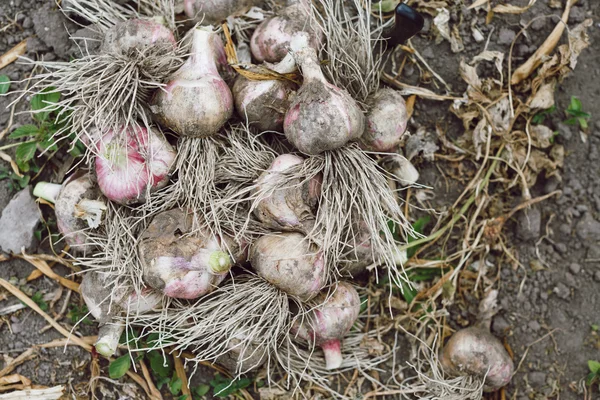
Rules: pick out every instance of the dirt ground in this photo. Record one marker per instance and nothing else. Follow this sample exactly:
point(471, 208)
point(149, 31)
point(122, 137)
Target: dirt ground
point(550, 299)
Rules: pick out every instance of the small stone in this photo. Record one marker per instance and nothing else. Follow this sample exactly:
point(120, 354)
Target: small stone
point(534, 325)
point(562, 291)
point(588, 228)
point(506, 36)
point(537, 378)
point(18, 222)
point(28, 23)
point(561, 248)
point(539, 24)
point(529, 224)
point(500, 325)
point(575, 268)
point(565, 132)
point(570, 280)
point(597, 276)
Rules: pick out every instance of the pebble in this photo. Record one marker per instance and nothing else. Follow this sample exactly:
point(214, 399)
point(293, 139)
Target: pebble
point(570, 280)
point(562, 291)
point(561, 248)
point(506, 36)
point(565, 132)
point(529, 224)
point(534, 325)
point(575, 268)
point(18, 222)
point(588, 228)
point(537, 378)
point(27, 23)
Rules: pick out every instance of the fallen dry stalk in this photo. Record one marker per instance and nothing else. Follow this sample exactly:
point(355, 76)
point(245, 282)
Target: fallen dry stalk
point(155, 393)
point(25, 356)
point(14, 53)
point(53, 393)
point(44, 268)
point(180, 370)
point(545, 49)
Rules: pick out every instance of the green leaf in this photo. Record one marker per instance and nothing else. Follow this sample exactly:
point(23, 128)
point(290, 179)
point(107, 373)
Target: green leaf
point(575, 104)
point(594, 366)
point(201, 390)
point(160, 382)
point(157, 363)
point(583, 123)
point(175, 385)
point(591, 378)
point(418, 227)
point(25, 152)
point(24, 131)
point(385, 6)
point(183, 397)
point(595, 327)
point(119, 367)
point(22, 181)
point(48, 144)
point(38, 298)
point(408, 292)
point(571, 121)
point(218, 379)
point(4, 84)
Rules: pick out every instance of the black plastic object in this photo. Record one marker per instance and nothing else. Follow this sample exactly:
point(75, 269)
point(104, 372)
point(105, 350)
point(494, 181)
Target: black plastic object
point(408, 23)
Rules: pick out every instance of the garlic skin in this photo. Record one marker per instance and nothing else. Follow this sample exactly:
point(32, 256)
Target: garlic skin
point(136, 35)
point(216, 11)
point(181, 261)
point(131, 163)
point(78, 206)
point(264, 103)
point(475, 351)
point(401, 169)
point(328, 323)
point(271, 40)
point(291, 208)
point(197, 101)
point(289, 262)
point(322, 116)
point(387, 119)
point(105, 302)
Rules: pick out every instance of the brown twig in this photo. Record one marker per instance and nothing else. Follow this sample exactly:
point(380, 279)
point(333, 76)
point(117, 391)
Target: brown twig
point(154, 392)
point(14, 53)
point(544, 50)
point(180, 370)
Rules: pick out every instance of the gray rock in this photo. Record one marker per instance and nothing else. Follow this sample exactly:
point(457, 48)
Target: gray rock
point(575, 268)
point(537, 379)
point(588, 228)
point(593, 253)
point(529, 224)
point(562, 291)
point(27, 23)
point(539, 24)
point(570, 280)
point(561, 248)
point(565, 131)
point(18, 222)
point(500, 325)
point(506, 36)
point(53, 28)
point(534, 325)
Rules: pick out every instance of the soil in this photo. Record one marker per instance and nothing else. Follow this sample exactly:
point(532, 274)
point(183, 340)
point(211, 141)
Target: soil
point(550, 300)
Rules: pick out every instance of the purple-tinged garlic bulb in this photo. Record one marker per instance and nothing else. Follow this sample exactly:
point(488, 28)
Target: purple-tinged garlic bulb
point(264, 103)
point(291, 263)
point(326, 324)
point(386, 121)
point(475, 351)
point(106, 302)
point(181, 261)
point(291, 207)
point(271, 40)
point(216, 11)
point(197, 101)
point(132, 163)
point(322, 116)
point(135, 36)
point(78, 205)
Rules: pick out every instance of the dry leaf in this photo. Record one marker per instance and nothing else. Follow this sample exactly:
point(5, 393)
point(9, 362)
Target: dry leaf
point(478, 3)
point(373, 346)
point(544, 98)
point(510, 9)
point(578, 40)
point(469, 75)
point(442, 23)
point(557, 153)
point(272, 393)
point(541, 136)
point(500, 113)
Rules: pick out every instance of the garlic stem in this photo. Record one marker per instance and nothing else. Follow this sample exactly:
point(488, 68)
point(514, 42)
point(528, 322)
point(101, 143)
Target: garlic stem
point(108, 338)
point(47, 191)
point(219, 262)
point(333, 354)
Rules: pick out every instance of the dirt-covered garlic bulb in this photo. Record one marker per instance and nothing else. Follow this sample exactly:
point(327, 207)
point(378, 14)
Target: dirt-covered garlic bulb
point(263, 103)
point(181, 261)
point(78, 205)
point(291, 263)
point(291, 207)
point(215, 11)
point(386, 121)
point(322, 116)
point(136, 35)
point(106, 302)
point(271, 40)
point(328, 323)
point(475, 351)
point(132, 163)
point(196, 101)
